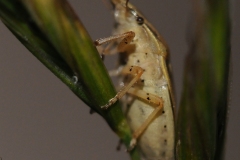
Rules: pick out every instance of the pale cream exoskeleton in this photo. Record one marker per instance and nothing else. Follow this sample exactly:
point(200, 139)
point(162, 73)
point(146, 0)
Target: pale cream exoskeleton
point(148, 96)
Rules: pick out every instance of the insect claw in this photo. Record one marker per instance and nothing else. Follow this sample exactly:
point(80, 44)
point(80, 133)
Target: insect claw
point(105, 107)
point(133, 143)
point(110, 102)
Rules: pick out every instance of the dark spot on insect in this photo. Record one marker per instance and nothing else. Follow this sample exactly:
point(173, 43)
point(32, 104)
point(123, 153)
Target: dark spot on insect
point(142, 80)
point(125, 41)
point(130, 69)
point(148, 98)
point(147, 93)
point(146, 53)
point(140, 20)
point(138, 61)
point(165, 126)
point(165, 140)
point(163, 111)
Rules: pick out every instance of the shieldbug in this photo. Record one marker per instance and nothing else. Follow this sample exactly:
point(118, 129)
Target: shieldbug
point(144, 71)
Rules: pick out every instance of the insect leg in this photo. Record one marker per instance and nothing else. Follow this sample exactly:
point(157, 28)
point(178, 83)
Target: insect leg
point(107, 49)
point(111, 43)
point(127, 38)
point(134, 70)
point(152, 99)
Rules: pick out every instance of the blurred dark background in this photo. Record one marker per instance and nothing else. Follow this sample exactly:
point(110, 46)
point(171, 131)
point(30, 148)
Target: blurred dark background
point(40, 118)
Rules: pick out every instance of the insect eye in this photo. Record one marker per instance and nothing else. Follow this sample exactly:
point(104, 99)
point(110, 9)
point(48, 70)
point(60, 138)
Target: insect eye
point(140, 20)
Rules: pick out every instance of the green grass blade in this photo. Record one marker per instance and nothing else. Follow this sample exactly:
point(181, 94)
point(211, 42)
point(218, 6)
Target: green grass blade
point(53, 33)
point(202, 114)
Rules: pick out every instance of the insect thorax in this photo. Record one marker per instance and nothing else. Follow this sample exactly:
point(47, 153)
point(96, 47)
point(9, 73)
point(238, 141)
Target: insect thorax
point(142, 51)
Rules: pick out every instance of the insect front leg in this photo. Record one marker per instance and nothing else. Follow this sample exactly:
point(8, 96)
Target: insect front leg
point(151, 98)
point(126, 37)
point(134, 70)
point(111, 43)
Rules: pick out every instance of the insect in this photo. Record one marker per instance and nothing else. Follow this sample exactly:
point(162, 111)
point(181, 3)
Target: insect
point(147, 91)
